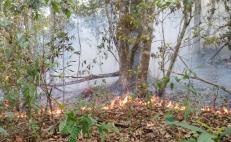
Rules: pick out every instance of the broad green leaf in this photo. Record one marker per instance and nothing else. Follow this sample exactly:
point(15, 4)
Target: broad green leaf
point(74, 134)
point(187, 126)
point(3, 132)
point(4, 22)
point(190, 140)
point(169, 118)
point(226, 132)
point(205, 137)
point(22, 40)
point(62, 127)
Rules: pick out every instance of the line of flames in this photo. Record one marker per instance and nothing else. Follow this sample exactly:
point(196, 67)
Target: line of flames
point(158, 102)
point(56, 112)
point(120, 102)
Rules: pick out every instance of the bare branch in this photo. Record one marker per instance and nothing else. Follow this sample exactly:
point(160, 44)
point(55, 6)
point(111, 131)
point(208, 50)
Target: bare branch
point(86, 78)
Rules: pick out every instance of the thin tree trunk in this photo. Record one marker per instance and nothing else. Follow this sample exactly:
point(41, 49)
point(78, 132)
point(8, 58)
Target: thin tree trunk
point(180, 38)
point(210, 16)
point(197, 22)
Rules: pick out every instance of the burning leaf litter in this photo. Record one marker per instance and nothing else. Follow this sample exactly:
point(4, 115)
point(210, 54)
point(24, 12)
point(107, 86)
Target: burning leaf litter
point(141, 121)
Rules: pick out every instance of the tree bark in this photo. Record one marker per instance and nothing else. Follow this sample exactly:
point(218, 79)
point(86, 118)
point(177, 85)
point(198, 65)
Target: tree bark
point(134, 45)
point(148, 23)
point(197, 22)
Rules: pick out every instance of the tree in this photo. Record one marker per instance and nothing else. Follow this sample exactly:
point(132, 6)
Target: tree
point(197, 23)
point(133, 42)
point(186, 19)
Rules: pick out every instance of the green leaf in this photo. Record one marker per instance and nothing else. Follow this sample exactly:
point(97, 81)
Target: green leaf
point(86, 123)
point(74, 134)
point(169, 118)
point(205, 137)
point(226, 132)
point(186, 76)
point(4, 22)
point(68, 13)
point(55, 6)
point(62, 127)
point(3, 132)
point(190, 140)
point(187, 126)
point(105, 129)
point(22, 40)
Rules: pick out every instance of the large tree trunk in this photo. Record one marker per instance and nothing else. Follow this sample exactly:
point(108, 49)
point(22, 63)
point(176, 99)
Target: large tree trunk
point(134, 45)
point(147, 26)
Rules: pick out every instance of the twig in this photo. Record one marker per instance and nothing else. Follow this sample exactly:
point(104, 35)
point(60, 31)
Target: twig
point(218, 51)
point(205, 81)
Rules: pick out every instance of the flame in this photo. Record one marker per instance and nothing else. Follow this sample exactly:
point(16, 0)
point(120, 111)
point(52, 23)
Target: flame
point(85, 109)
point(7, 78)
point(225, 110)
point(120, 102)
point(56, 112)
point(20, 115)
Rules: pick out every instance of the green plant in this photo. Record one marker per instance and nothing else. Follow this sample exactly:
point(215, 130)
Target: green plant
point(3, 132)
point(74, 126)
point(204, 136)
point(34, 127)
point(188, 109)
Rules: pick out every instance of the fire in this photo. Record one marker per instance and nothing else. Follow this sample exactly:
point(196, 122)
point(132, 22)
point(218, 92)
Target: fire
point(225, 110)
point(120, 102)
point(85, 108)
point(56, 112)
point(20, 115)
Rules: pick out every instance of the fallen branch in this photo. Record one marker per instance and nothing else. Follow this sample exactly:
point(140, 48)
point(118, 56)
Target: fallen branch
point(86, 78)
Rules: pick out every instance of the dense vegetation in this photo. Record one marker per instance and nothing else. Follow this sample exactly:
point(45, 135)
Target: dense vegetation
point(35, 41)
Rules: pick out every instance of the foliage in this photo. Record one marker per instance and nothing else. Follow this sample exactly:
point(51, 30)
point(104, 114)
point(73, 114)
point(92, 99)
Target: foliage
point(3, 132)
point(204, 136)
point(74, 126)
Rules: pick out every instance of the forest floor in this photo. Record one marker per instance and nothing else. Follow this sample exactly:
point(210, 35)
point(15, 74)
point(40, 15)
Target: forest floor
point(137, 120)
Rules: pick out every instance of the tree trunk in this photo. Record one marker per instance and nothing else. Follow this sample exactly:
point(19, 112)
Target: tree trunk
point(197, 22)
point(166, 78)
point(134, 45)
point(148, 23)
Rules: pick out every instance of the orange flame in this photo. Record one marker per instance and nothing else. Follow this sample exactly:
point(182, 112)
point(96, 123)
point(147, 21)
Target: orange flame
point(158, 102)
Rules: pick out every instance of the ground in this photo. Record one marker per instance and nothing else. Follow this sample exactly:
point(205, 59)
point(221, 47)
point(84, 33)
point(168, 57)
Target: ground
point(138, 120)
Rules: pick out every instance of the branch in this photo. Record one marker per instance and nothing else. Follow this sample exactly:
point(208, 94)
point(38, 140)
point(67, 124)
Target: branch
point(218, 51)
point(205, 81)
point(110, 26)
point(86, 78)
